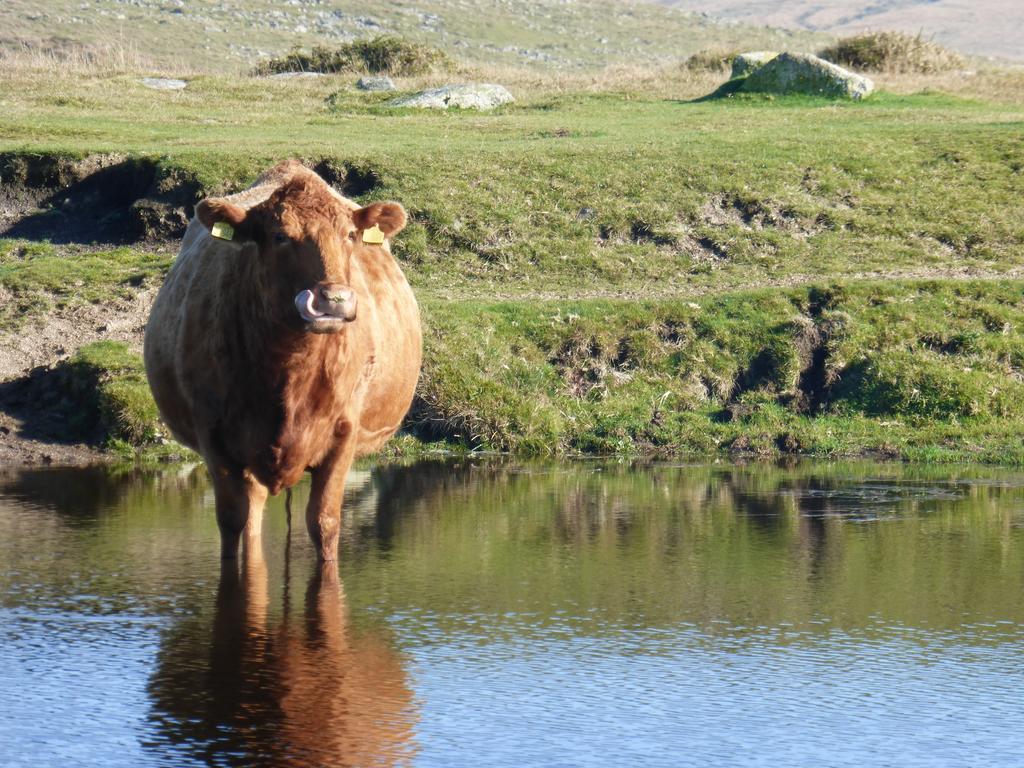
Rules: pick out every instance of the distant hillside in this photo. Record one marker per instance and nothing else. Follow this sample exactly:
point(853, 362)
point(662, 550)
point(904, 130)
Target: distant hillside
point(233, 34)
point(979, 27)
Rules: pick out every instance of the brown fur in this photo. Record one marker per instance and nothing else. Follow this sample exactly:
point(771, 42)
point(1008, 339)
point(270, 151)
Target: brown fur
point(237, 376)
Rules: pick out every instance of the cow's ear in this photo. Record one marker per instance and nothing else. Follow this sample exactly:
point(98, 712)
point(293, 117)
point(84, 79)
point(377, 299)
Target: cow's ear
point(390, 217)
point(214, 212)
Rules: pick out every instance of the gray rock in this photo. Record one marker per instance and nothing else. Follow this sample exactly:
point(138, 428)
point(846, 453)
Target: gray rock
point(296, 75)
point(164, 83)
point(803, 73)
point(482, 96)
point(381, 83)
point(745, 63)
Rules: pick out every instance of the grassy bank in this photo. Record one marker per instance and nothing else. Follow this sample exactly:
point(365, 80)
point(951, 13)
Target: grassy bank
point(915, 370)
point(919, 370)
point(606, 268)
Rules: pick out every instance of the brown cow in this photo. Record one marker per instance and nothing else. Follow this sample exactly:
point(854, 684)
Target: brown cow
point(293, 345)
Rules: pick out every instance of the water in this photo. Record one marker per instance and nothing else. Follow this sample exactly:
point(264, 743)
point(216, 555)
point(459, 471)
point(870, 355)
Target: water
point(503, 614)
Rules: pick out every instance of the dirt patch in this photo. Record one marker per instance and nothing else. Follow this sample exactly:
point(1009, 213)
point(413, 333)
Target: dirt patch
point(55, 336)
point(17, 449)
point(725, 210)
point(116, 199)
point(703, 250)
point(33, 420)
point(580, 361)
point(40, 423)
point(674, 239)
point(104, 199)
point(589, 368)
point(794, 367)
point(351, 179)
point(950, 344)
point(641, 231)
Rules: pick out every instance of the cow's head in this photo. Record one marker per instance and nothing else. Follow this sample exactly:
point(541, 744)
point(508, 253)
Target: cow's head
point(305, 237)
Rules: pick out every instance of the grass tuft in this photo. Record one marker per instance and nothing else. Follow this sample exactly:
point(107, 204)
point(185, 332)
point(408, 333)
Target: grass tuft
point(711, 60)
point(896, 52)
point(110, 379)
point(386, 54)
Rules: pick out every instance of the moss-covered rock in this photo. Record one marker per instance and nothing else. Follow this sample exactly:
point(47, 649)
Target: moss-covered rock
point(805, 74)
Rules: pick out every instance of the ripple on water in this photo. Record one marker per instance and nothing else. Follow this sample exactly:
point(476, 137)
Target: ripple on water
point(684, 698)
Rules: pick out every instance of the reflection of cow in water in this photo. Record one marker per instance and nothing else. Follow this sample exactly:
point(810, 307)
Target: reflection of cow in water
point(299, 691)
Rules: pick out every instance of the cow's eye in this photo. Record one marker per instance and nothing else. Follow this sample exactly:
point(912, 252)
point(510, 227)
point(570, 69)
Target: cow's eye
point(352, 235)
point(280, 238)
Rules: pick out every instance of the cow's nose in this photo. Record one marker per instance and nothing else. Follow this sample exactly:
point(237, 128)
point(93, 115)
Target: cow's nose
point(335, 292)
point(337, 300)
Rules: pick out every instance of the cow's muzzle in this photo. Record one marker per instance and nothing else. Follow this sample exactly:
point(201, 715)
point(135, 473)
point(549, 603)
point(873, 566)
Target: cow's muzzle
point(326, 308)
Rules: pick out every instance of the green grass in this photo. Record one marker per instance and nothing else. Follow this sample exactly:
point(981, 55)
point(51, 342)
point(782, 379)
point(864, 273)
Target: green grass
point(41, 277)
point(906, 369)
point(106, 392)
point(610, 271)
point(922, 371)
point(115, 376)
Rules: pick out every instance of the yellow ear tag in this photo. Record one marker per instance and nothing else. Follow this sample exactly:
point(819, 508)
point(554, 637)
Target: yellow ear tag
point(222, 230)
point(373, 235)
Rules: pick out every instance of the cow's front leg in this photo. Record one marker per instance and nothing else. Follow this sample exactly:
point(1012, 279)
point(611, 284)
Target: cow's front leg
point(239, 502)
point(323, 515)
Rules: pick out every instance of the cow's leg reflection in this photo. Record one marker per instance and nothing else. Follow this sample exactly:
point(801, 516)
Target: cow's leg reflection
point(291, 688)
point(326, 623)
point(239, 501)
point(323, 514)
point(254, 579)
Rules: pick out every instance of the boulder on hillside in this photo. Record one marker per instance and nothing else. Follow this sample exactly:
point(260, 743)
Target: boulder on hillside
point(381, 83)
point(745, 63)
point(296, 76)
point(481, 96)
point(803, 73)
point(164, 83)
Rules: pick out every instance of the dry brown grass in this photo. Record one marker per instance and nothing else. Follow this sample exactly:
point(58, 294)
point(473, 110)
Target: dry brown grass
point(61, 59)
point(43, 62)
point(992, 84)
point(999, 85)
point(70, 67)
point(712, 60)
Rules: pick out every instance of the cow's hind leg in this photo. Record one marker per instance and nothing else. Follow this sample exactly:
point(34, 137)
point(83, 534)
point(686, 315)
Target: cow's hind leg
point(239, 502)
point(323, 515)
